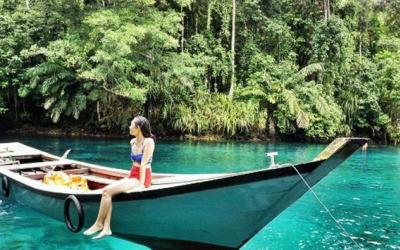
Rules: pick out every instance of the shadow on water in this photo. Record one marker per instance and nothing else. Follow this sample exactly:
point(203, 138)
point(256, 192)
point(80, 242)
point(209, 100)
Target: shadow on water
point(22, 228)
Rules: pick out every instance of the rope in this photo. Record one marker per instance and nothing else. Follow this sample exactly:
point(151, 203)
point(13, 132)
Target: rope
point(322, 204)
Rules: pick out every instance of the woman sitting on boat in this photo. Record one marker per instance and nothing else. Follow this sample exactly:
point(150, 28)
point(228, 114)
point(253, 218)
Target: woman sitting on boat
point(142, 147)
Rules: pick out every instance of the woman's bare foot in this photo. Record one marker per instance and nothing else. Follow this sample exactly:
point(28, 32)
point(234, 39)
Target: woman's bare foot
point(93, 229)
point(103, 234)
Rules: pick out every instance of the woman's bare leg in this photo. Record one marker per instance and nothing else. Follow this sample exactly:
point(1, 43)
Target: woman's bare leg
point(106, 227)
point(98, 225)
point(105, 204)
point(104, 216)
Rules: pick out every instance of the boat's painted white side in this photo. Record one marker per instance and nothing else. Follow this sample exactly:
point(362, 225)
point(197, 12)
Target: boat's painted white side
point(221, 216)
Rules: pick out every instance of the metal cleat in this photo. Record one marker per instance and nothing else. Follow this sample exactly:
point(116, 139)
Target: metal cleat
point(272, 155)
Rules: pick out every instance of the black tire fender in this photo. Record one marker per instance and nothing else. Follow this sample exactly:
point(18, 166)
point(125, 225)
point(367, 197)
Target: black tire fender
point(81, 214)
point(5, 187)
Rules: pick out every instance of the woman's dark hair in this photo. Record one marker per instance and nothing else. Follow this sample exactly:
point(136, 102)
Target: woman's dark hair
point(144, 125)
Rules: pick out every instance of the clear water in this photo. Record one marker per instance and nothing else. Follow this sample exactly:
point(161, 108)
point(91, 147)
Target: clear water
point(363, 194)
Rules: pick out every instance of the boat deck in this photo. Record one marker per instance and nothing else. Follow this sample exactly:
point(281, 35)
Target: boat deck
point(18, 150)
point(35, 164)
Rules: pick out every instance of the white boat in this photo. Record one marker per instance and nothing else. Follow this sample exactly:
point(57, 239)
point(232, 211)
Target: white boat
point(178, 211)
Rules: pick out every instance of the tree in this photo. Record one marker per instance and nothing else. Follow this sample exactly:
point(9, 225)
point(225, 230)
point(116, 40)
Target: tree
point(333, 46)
point(233, 49)
point(314, 69)
point(327, 9)
point(389, 100)
point(292, 102)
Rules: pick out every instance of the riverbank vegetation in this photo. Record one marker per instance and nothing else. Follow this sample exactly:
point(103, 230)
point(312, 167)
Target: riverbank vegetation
point(306, 69)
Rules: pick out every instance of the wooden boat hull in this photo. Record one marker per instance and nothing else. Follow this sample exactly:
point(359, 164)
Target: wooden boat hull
point(223, 212)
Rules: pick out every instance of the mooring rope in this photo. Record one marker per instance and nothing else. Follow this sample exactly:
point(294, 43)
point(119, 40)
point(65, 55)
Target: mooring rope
point(322, 204)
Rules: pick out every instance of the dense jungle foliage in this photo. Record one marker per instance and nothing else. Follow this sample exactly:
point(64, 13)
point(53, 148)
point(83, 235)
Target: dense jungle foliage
point(310, 69)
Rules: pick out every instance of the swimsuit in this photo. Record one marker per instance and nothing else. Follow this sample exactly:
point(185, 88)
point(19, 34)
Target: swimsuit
point(135, 170)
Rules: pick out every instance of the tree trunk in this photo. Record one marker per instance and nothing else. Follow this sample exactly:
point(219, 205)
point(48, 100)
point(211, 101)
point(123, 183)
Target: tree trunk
point(16, 106)
point(209, 8)
point(271, 127)
point(196, 24)
point(98, 111)
point(233, 49)
point(361, 20)
point(385, 137)
point(328, 8)
point(183, 31)
point(360, 46)
point(150, 112)
point(23, 105)
point(27, 4)
point(146, 108)
point(327, 11)
point(8, 94)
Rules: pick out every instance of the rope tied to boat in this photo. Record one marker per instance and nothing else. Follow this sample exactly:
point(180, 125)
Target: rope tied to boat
point(322, 204)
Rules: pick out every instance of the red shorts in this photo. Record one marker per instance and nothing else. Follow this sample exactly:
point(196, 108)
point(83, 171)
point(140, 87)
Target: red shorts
point(135, 173)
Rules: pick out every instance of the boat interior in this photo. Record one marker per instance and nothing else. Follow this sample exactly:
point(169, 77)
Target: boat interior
point(36, 165)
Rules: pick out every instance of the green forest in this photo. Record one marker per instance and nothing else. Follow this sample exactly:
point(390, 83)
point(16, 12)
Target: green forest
point(292, 69)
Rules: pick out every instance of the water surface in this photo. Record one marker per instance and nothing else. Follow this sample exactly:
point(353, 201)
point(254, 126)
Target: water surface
point(363, 194)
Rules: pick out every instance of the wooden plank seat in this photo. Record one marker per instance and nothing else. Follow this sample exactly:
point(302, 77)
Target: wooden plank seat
point(39, 165)
point(20, 156)
point(120, 173)
point(5, 163)
point(39, 176)
point(5, 150)
point(99, 179)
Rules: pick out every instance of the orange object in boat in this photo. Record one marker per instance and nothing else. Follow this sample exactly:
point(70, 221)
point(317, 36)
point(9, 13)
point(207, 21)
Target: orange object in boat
point(60, 178)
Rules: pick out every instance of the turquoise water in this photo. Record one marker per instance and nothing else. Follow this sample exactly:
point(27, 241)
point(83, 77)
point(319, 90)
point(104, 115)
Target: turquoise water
point(363, 194)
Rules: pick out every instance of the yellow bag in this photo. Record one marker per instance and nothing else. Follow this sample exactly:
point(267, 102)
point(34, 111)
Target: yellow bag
point(60, 178)
point(78, 182)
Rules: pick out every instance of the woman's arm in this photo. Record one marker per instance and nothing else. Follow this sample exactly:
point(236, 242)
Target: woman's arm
point(147, 154)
